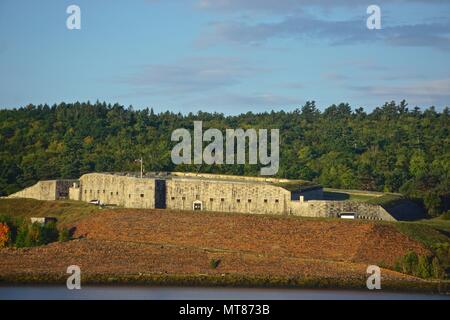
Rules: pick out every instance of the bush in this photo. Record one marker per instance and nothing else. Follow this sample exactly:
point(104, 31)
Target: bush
point(49, 233)
point(437, 271)
point(32, 235)
point(436, 267)
point(442, 254)
point(423, 268)
point(5, 235)
point(64, 235)
point(446, 215)
point(12, 225)
point(409, 263)
point(22, 233)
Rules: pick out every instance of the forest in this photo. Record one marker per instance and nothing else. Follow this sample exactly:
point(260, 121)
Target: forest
point(393, 148)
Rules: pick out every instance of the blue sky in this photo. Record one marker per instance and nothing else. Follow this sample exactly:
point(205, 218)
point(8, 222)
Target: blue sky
point(225, 55)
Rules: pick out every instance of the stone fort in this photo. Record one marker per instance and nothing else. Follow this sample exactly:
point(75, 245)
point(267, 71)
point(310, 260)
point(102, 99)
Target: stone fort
point(204, 192)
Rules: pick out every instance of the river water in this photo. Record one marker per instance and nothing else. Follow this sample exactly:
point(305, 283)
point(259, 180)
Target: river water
point(189, 293)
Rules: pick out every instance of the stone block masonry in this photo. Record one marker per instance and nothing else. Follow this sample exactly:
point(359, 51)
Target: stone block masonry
point(203, 192)
point(332, 209)
point(46, 190)
point(226, 196)
point(128, 192)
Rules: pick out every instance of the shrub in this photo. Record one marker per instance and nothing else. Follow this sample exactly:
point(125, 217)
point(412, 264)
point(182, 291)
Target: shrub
point(436, 267)
point(214, 263)
point(12, 225)
point(49, 233)
point(423, 267)
point(5, 235)
point(22, 233)
point(409, 263)
point(437, 271)
point(446, 215)
point(32, 235)
point(64, 235)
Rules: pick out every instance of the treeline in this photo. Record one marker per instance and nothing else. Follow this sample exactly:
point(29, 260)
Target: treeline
point(393, 148)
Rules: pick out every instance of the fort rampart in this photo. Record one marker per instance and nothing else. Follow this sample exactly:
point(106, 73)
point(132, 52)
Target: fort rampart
point(208, 192)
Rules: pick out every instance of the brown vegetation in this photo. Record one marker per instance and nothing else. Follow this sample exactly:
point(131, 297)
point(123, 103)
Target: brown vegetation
point(128, 242)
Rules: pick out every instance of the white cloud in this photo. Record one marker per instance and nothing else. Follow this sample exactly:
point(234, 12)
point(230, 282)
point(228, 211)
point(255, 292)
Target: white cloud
point(192, 75)
point(343, 32)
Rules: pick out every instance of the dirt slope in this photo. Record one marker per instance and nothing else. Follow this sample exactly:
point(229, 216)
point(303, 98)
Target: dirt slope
point(157, 242)
point(333, 240)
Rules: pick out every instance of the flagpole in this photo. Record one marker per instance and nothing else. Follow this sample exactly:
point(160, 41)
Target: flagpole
point(141, 160)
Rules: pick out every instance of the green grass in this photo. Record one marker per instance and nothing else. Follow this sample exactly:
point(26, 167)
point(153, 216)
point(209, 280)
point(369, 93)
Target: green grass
point(347, 195)
point(437, 223)
point(422, 232)
point(384, 199)
point(65, 211)
point(387, 200)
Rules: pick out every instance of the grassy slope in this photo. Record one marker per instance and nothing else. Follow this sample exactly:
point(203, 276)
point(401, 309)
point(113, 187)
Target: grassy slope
point(384, 199)
point(387, 200)
point(428, 234)
point(349, 195)
point(66, 211)
point(426, 231)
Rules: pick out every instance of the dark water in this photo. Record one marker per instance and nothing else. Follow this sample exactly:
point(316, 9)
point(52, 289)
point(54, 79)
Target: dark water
point(168, 293)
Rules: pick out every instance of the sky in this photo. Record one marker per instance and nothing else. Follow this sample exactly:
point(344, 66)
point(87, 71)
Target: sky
point(225, 56)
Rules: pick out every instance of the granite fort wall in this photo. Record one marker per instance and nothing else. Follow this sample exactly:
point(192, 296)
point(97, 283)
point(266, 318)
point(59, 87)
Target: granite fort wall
point(227, 196)
point(46, 190)
point(211, 192)
point(43, 190)
point(129, 192)
point(332, 209)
